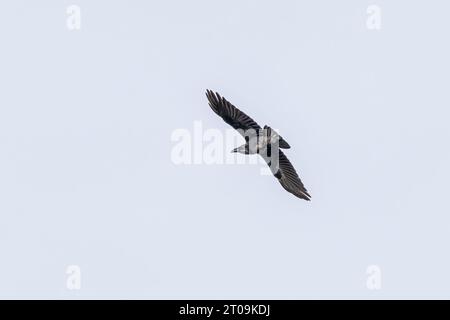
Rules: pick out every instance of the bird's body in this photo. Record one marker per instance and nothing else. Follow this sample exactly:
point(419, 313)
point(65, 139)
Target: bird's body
point(263, 141)
point(257, 141)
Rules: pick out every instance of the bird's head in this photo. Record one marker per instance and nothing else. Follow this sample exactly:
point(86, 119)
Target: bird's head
point(240, 149)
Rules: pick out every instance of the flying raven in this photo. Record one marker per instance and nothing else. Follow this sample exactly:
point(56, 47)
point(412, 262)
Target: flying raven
point(263, 141)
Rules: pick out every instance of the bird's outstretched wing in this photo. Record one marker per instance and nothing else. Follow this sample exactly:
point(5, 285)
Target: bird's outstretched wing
point(229, 113)
point(285, 172)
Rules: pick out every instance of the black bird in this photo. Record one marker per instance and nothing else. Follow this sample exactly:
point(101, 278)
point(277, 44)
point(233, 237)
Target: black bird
point(263, 141)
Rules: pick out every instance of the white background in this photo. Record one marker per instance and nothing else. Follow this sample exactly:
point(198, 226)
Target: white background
point(86, 176)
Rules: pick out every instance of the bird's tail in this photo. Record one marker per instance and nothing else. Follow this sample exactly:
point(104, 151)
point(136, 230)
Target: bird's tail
point(281, 142)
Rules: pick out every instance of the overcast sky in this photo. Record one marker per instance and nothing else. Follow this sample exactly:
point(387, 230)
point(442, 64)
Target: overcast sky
point(87, 179)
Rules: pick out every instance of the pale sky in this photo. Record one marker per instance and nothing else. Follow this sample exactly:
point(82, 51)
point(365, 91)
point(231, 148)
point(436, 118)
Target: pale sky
point(87, 179)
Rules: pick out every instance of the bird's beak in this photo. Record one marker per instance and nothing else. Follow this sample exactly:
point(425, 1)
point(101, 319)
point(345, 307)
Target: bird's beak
point(234, 150)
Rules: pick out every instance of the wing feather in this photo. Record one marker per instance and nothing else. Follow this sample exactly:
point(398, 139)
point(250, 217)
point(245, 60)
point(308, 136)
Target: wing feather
point(287, 176)
point(229, 113)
